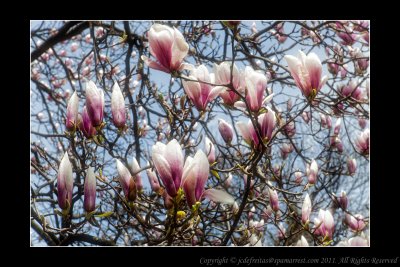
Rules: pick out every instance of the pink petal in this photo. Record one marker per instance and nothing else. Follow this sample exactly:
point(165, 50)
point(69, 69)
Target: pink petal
point(314, 67)
point(160, 42)
point(200, 170)
point(179, 49)
point(174, 157)
point(154, 65)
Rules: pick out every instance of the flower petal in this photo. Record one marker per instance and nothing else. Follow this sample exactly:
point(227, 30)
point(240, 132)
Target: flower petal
point(154, 65)
point(219, 196)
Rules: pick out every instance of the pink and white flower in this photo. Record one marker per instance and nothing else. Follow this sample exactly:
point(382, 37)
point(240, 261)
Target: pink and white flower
point(223, 77)
point(199, 91)
point(118, 107)
point(89, 201)
point(313, 172)
point(210, 150)
point(255, 85)
point(94, 103)
point(356, 222)
point(168, 160)
point(65, 183)
point(168, 46)
point(306, 71)
point(362, 142)
point(302, 242)
point(72, 112)
point(273, 199)
point(127, 183)
point(267, 123)
point(195, 176)
point(154, 184)
point(136, 174)
point(85, 124)
point(351, 166)
point(324, 224)
point(226, 130)
point(306, 209)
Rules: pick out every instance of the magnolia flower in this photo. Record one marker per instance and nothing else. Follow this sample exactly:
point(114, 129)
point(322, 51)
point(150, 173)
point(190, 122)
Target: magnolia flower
point(338, 144)
point(199, 91)
point(358, 241)
point(226, 130)
point(168, 160)
point(343, 200)
point(195, 176)
point(210, 150)
point(74, 47)
point(254, 28)
point(254, 240)
point(259, 225)
point(127, 183)
point(351, 166)
point(223, 77)
point(290, 129)
point(306, 72)
point(346, 34)
point(352, 90)
point(72, 112)
point(313, 172)
point(118, 107)
point(267, 213)
point(281, 231)
point(154, 184)
point(362, 122)
point(136, 172)
point(360, 25)
point(298, 177)
point(362, 142)
point(94, 103)
point(286, 149)
point(306, 116)
point(85, 124)
point(65, 183)
point(100, 32)
point(337, 126)
point(168, 46)
point(267, 123)
point(333, 68)
point(356, 222)
point(361, 62)
point(343, 71)
point(228, 180)
point(326, 121)
point(63, 53)
point(256, 83)
point(89, 202)
point(306, 209)
point(324, 224)
point(302, 242)
point(273, 199)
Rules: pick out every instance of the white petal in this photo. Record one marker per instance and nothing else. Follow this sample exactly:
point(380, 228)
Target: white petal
point(218, 196)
